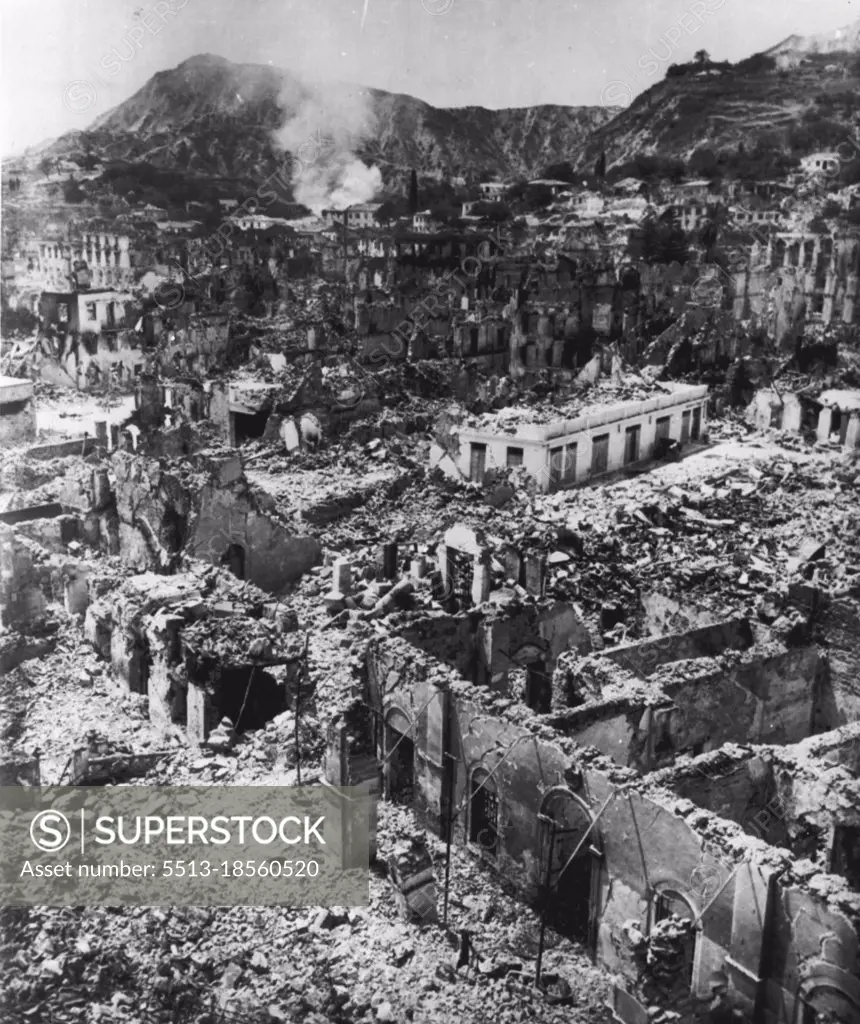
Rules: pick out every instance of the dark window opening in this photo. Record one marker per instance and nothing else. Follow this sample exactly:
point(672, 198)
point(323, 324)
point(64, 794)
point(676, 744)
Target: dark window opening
point(600, 454)
point(776, 417)
point(249, 697)
point(538, 688)
point(175, 529)
point(663, 744)
point(461, 573)
point(484, 816)
point(234, 560)
point(685, 426)
point(14, 408)
point(696, 432)
point(846, 853)
point(514, 457)
point(399, 767)
point(631, 444)
point(570, 900)
point(249, 426)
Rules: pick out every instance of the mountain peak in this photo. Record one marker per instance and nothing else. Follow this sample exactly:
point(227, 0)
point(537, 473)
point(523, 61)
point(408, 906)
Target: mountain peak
point(838, 40)
point(205, 61)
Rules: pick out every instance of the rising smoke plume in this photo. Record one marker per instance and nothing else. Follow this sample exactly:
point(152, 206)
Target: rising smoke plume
point(325, 124)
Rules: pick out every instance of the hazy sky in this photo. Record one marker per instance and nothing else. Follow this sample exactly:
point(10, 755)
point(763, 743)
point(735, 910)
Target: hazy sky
point(61, 62)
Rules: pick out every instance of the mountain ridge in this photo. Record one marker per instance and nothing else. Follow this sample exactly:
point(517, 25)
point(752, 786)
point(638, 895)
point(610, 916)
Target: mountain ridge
point(209, 115)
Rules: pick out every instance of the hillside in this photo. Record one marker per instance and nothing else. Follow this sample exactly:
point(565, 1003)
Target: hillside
point(212, 117)
point(753, 105)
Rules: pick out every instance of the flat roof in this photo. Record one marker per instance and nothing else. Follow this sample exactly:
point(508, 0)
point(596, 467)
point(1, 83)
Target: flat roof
point(844, 400)
point(10, 382)
point(608, 403)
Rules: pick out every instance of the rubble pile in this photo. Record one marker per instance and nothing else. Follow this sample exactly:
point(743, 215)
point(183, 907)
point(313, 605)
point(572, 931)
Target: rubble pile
point(282, 964)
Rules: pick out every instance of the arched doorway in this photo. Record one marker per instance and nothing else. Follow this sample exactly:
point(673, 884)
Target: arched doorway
point(234, 560)
point(572, 899)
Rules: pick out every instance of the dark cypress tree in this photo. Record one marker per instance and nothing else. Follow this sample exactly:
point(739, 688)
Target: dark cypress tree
point(600, 167)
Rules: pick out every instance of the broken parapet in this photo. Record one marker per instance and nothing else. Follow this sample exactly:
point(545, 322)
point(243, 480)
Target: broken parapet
point(205, 508)
point(411, 872)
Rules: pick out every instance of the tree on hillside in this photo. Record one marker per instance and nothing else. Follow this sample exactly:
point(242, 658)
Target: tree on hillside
point(413, 191)
point(46, 165)
point(72, 191)
point(701, 57)
point(560, 172)
point(600, 167)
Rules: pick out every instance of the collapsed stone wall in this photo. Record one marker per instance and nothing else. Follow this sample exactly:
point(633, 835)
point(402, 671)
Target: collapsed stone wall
point(840, 697)
point(649, 841)
point(32, 578)
point(209, 512)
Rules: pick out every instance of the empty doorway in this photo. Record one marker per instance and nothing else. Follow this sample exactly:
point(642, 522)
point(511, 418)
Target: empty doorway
point(572, 896)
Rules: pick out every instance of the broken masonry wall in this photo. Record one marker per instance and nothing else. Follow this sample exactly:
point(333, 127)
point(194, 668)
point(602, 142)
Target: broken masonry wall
point(664, 614)
point(486, 647)
point(643, 659)
point(167, 701)
point(534, 636)
point(31, 579)
point(739, 786)
point(208, 515)
point(448, 638)
point(227, 519)
point(754, 700)
point(19, 426)
point(153, 509)
point(840, 746)
point(814, 958)
point(53, 534)
point(812, 802)
point(647, 850)
point(840, 694)
point(618, 727)
point(646, 844)
point(449, 717)
point(773, 409)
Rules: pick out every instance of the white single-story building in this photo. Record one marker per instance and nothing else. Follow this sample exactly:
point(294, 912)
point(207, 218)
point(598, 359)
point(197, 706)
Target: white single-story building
point(820, 163)
point(593, 441)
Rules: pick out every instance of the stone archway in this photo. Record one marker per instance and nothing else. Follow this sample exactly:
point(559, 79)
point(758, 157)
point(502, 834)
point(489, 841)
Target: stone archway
point(573, 898)
point(829, 996)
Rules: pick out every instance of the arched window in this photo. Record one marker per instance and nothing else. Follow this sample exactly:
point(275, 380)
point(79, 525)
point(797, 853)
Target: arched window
point(484, 812)
point(668, 902)
point(398, 767)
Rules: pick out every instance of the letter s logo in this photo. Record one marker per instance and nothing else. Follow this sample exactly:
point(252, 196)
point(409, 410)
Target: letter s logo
point(50, 831)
